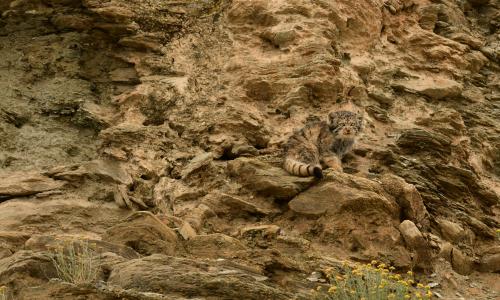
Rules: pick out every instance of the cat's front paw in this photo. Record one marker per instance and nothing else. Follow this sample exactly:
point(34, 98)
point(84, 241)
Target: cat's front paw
point(334, 164)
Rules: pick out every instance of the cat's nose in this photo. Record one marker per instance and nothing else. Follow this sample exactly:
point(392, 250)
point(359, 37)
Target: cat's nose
point(347, 131)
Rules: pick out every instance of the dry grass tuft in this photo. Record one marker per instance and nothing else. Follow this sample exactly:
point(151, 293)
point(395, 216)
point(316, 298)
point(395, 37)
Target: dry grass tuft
point(76, 262)
point(4, 293)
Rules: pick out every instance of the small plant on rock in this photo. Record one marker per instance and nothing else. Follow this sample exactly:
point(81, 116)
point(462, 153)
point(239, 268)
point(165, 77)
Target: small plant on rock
point(3, 293)
point(371, 282)
point(76, 262)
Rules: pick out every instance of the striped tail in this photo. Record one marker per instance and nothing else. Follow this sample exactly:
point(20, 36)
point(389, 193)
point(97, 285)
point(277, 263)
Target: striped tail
point(298, 168)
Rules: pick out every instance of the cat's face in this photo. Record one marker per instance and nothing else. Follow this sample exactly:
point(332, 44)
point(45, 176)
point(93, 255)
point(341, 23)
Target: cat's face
point(345, 124)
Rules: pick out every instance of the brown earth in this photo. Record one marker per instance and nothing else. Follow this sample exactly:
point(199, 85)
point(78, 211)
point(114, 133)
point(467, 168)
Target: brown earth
point(179, 109)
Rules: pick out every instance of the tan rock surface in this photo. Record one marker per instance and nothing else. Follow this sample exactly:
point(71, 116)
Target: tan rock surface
point(22, 184)
point(183, 108)
point(189, 277)
point(144, 233)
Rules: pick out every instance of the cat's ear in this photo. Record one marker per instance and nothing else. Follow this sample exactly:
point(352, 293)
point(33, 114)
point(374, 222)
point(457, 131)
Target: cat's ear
point(333, 120)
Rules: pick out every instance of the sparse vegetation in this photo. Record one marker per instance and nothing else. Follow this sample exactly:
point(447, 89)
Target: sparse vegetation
point(3, 293)
point(76, 262)
point(371, 282)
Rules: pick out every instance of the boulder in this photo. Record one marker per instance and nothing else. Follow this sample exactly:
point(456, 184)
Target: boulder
point(433, 87)
point(340, 193)
point(26, 263)
point(267, 180)
point(461, 263)
point(55, 213)
point(451, 231)
point(479, 227)
point(190, 278)
point(353, 213)
point(144, 233)
point(417, 243)
point(490, 261)
point(19, 184)
point(408, 198)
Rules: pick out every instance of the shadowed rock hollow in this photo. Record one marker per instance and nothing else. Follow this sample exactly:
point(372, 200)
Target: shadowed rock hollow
point(180, 110)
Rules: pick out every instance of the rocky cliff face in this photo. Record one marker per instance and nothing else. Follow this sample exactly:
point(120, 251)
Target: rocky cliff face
point(180, 109)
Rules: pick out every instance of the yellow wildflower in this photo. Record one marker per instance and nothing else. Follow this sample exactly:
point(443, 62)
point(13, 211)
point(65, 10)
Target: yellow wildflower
point(419, 285)
point(403, 282)
point(429, 294)
point(392, 268)
point(407, 296)
point(409, 273)
point(374, 262)
point(332, 289)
